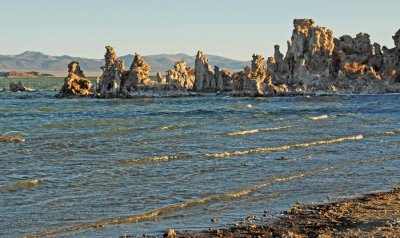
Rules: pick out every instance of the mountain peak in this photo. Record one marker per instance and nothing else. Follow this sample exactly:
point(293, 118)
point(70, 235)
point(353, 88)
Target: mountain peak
point(30, 54)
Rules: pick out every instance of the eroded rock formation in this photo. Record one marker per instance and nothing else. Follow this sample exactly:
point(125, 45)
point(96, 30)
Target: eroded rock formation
point(118, 82)
point(317, 62)
point(308, 54)
point(223, 79)
point(161, 78)
point(139, 74)
point(181, 77)
point(391, 60)
point(114, 74)
point(75, 84)
point(251, 82)
point(204, 80)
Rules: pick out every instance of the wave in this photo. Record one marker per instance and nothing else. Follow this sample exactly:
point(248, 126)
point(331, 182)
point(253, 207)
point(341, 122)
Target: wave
point(157, 159)
point(210, 199)
point(316, 118)
point(174, 127)
point(284, 147)
point(166, 158)
point(23, 184)
point(239, 133)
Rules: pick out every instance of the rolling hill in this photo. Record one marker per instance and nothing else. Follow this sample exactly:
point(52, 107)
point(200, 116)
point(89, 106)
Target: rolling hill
point(37, 61)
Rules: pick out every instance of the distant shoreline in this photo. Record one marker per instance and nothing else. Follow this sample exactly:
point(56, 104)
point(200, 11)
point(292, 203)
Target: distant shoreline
point(40, 74)
point(25, 74)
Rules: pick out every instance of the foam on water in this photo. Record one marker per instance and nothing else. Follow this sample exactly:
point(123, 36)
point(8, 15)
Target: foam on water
point(157, 159)
point(174, 127)
point(315, 118)
point(245, 132)
point(23, 184)
point(282, 148)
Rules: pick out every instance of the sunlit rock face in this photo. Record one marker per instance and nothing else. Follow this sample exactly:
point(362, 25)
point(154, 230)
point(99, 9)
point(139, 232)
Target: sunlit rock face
point(75, 84)
point(181, 77)
point(139, 74)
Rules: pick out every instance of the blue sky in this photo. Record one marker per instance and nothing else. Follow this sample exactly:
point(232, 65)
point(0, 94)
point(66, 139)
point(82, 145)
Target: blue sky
point(234, 29)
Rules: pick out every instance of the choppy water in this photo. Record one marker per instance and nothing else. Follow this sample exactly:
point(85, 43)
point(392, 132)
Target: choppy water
point(142, 166)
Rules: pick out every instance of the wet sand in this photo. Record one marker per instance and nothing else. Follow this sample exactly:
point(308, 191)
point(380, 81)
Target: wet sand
point(372, 215)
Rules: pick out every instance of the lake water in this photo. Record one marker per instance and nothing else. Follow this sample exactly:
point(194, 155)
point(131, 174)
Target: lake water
point(141, 166)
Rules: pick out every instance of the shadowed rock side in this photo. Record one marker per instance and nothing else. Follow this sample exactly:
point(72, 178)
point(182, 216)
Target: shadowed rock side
point(114, 75)
point(160, 78)
point(223, 79)
point(75, 84)
point(205, 80)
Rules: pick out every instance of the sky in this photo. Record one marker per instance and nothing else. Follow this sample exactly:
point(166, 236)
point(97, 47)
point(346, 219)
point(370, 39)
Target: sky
point(231, 28)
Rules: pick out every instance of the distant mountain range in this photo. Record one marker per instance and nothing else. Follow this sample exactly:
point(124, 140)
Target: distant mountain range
point(37, 61)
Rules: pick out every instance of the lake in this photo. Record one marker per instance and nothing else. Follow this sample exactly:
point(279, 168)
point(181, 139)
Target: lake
point(141, 166)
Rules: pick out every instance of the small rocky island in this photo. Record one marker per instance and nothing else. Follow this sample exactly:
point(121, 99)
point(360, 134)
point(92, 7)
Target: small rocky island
point(315, 63)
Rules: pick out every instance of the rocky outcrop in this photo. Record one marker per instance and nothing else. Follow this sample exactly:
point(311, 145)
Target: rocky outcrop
point(75, 84)
point(139, 74)
point(391, 60)
point(204, 79)
point(251, 82)
point(360, 67)
point(118, 82)
point(160, 78)
point(114, 74)
point(308, 54)
point(317, 62)
point(181, 77)
point(223, 79)
point(19, 87)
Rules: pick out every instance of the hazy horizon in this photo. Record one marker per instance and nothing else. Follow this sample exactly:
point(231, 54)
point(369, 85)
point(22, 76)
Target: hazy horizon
point(230, 29)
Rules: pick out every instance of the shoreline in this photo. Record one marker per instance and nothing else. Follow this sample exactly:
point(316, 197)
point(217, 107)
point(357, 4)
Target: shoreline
point(371, 215)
